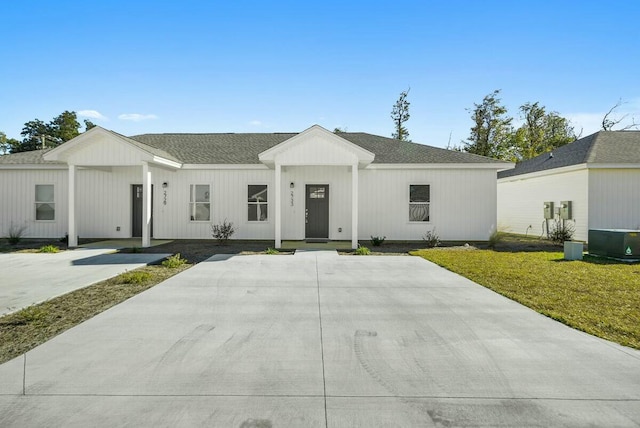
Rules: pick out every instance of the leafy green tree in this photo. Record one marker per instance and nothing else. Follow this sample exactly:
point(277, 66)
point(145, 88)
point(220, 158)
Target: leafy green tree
point(399, 115)
point(492, 132)
point(33, 132)
point(88, 125)
point(7, 144)
point(64, 127)
point(541, 132)
point(36, 133)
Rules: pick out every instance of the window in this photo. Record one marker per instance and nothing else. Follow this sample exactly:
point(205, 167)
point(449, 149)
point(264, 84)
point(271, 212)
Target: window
point(257, 203)
point(419, 196)
point(199, 204)
point(45, 206)
point(316, 193)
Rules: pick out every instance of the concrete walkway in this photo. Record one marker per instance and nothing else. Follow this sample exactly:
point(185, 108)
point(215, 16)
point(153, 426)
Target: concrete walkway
point(321, 340)
point(29, 278)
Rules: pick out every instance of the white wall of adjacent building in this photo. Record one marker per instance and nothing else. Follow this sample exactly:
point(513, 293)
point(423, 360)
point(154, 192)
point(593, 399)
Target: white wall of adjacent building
point(521, 200)
point(614, 201)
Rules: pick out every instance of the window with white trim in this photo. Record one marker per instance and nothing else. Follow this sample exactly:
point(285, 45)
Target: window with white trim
point(45, 202)
point(419, 201)
point(199, 202)
point(257, 203)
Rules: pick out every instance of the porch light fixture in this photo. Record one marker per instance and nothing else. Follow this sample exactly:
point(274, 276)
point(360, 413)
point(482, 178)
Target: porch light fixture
point(292, 185)
point(165, 185)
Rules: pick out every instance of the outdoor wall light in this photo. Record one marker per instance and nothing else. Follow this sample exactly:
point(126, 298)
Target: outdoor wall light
point(292, 185)
point(165, 185)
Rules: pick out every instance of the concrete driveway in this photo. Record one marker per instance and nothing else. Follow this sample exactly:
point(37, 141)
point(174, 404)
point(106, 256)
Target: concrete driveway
point(28, 278)
point(320, 340)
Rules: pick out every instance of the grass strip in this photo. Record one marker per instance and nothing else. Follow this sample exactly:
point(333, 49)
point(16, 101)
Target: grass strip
point(600, 297)
point(24, 330)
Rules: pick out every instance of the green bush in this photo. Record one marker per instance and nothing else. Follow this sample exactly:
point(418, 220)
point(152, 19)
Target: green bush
point(561, 231)
point(49, 249)
point(431, 238)
point(134, 277)
point(362, 251)
point(376, 241)
point(272, 251)
point(174, 261)
point(30, 315)
point(223, 231)
point(15, 233)
point(495, 238)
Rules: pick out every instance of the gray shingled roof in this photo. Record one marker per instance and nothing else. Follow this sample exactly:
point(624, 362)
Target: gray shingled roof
point(245, 148)
point(33, 157)
point(603, 147)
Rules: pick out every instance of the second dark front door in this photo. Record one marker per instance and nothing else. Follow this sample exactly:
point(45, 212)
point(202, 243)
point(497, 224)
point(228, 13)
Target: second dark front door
point(317, 211)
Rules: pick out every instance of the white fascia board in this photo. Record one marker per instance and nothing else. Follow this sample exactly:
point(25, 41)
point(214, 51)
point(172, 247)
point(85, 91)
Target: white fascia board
point(494, 166)
point(257, 166)
point(33, 166)
point(543, 173)
point(166, 162)
point(613, 166)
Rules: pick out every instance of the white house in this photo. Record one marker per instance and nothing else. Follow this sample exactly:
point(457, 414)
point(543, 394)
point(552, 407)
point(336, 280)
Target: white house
point(310, 185)
point(594, 182)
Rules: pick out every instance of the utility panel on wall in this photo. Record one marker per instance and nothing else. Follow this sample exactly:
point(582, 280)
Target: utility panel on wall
point(548, 210)
point(565, 210)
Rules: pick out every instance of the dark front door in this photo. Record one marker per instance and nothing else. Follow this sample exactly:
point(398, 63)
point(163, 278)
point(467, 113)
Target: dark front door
point(317, 211)
point(136, 210)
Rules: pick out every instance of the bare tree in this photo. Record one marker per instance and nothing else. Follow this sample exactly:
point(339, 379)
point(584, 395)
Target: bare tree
point(608, 121)
point(399, 115)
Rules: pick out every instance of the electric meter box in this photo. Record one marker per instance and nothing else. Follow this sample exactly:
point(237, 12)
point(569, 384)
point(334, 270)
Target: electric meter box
point(615, 243)
point(548, 210)
point(565, 210)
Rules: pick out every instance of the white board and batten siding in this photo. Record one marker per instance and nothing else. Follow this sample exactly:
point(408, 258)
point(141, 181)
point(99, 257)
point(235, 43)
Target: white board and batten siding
point(462, 203)
point(17, 195)
point(229, 201)
point(294, 199)
point(521, 201)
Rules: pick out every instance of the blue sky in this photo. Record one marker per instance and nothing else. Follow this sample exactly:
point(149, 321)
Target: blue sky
point(282, 66)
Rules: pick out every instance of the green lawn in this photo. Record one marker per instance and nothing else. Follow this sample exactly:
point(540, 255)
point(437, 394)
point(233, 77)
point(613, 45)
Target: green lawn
point(597, 296)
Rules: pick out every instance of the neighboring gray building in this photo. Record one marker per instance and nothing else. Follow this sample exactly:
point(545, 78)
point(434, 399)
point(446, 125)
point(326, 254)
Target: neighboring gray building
point(599, 175)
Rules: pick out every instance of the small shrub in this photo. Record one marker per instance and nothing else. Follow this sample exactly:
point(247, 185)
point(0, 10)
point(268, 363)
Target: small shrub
point(136, 249)
point(362, 251)
point(30, 315)
point(431, 238)
point(561, 231)
point(272, 251)
point(15, 233)
point(495, 238)
point(174, 261)
point(134, 277)
point(49, 249)
point(376, 241)
point(223, 231)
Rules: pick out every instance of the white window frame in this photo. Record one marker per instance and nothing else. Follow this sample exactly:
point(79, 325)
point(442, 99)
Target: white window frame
point(51, 203)
point(193, 204)
point(258, 203)
point(419, 203)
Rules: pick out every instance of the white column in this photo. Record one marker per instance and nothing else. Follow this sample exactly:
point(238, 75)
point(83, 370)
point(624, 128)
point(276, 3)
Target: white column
point(354, 206)
point(146, 205)
point(278, 196)
point(72, 226)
